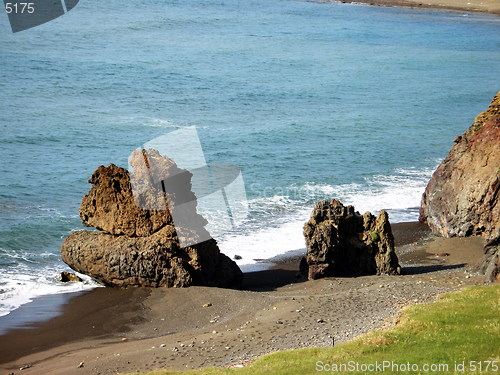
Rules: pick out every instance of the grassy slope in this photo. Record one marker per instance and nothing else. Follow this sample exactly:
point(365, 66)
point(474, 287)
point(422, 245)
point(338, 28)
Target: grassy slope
point(461, 326)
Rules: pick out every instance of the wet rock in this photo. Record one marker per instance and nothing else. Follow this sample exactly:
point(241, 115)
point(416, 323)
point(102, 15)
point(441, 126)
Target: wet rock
point(66, 277)
point(341, 242)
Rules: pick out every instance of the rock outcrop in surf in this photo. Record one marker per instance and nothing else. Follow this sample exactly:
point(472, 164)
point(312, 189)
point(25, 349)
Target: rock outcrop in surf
point(137, 243)
point(342, 242)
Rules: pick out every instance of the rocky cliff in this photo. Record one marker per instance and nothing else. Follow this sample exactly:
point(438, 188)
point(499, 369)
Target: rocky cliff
point(137, 246)
point(461, 198)
point(341, 242)
point(462, 195)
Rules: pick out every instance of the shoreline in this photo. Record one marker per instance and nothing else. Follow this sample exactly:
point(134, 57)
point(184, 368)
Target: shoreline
point(473, 6)
point(46, 307)
point(127, 330)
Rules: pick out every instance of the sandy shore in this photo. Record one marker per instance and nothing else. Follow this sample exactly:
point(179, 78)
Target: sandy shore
point(483, 6)
point(113, 331)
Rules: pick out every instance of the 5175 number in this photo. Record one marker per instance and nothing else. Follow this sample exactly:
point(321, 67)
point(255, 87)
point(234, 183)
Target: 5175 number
point(19, 8)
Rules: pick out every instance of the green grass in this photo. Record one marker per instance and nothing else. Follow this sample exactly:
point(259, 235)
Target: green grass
point(460, 327)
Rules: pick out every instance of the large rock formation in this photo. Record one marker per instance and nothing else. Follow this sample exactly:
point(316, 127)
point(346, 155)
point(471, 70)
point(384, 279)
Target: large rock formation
point(138, 243)
point(154, 261)
point(462, 195)
point(341, 242)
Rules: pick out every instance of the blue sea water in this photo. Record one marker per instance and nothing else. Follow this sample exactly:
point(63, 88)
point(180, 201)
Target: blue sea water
point(311, 101)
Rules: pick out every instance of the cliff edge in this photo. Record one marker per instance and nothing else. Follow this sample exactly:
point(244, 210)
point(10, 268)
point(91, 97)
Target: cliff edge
point(462, 195)
point(461, 198)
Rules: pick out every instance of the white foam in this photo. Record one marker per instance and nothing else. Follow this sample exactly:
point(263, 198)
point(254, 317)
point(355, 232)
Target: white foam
point(394, 192)
point(399, 194)
point(154, 122)
point(22, 285)
point(267, 242)
point(150, 122)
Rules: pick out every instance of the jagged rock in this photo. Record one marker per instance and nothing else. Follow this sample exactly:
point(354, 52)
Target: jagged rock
point(461, 198)
point(341, 242)
point(139, 243)
point(112, 206)
point(66, 277)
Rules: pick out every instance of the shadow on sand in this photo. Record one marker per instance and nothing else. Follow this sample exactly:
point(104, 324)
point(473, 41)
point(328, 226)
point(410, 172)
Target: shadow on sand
point(420, 269)
point(269, 280)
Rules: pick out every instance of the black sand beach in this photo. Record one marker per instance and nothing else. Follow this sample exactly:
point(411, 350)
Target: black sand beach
point(117, 330)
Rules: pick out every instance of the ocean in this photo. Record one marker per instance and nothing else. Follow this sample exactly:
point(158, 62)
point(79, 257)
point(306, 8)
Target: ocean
point(311, 101)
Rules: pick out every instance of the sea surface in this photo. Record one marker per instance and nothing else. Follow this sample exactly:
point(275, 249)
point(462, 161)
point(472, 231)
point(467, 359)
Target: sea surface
point(311, 101)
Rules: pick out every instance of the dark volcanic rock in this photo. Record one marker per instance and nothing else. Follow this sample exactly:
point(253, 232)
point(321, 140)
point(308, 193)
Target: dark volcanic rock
point(341, 242)
point(461, 198)
point(67, 277)
point(153, 261)
point(138, 244)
